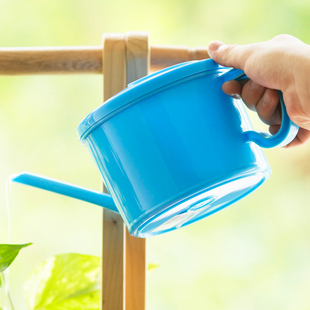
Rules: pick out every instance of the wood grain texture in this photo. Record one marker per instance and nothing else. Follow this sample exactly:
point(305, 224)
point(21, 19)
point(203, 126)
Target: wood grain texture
point(136, 270)
point(113, 259)
point(51, 60)
point(138, 56)
point(124, 257)
point(83, 59)
point(114, 70)
point(113, 247)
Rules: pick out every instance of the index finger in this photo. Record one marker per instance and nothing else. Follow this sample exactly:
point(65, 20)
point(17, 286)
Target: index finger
point(230, 55)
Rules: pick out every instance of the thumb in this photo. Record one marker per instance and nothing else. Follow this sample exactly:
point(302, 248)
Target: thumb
point(228, 55)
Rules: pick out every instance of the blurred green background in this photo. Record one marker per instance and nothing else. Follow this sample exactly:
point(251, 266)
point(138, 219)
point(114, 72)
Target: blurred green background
point(253, 255)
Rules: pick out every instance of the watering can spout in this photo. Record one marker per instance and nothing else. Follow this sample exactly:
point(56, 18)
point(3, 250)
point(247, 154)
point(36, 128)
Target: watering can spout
point(66, 189)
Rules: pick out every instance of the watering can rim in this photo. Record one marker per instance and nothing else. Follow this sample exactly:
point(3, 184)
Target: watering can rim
point(146, 86)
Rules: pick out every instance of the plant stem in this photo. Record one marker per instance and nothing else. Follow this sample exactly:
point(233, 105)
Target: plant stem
point(6, 290)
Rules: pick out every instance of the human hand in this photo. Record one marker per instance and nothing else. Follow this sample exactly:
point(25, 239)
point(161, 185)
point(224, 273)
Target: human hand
point(282, 63)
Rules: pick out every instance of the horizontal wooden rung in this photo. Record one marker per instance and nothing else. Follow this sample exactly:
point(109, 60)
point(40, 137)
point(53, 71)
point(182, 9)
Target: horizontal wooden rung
point(83, 59)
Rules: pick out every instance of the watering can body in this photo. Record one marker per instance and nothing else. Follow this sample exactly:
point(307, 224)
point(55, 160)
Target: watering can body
point(172, 148)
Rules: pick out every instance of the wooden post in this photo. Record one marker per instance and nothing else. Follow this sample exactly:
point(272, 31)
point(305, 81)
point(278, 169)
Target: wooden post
point(138, 59)
point(126, 59)
point(113, 252)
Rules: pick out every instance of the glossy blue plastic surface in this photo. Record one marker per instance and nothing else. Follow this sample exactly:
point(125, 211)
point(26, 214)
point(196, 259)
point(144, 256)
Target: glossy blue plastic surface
point(144, 87)
point(66, 189)
point(172, 147)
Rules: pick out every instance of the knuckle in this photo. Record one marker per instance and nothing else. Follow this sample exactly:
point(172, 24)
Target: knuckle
point(269, 112)
point(282, 37)
point(293, 112)
point(296, 111)
point(251, 96)
point(298, 116)
point(226, 53)
point(264, 115)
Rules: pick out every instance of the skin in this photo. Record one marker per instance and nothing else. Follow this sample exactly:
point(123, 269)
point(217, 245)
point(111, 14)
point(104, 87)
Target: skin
point(281, 63)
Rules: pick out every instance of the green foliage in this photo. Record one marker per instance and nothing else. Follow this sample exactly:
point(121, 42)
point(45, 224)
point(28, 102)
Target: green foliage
point(66, 281)
point(152, 266)
point(8, 253)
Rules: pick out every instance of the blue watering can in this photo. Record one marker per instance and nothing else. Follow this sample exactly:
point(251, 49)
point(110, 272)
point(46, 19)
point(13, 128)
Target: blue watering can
point(172, 149)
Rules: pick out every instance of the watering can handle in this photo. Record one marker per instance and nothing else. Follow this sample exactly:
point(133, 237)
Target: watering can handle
point(288, 129)
point(66, 189)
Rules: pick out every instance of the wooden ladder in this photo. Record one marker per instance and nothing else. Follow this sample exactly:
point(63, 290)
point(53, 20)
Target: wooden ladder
point(122, 59)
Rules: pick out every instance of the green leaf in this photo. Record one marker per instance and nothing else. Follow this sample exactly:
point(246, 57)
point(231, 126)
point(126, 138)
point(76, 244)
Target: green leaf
point(8, 252)
point(64, 282)
point(152, 267)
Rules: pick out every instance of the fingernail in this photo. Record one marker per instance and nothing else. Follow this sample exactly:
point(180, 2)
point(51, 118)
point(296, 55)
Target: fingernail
point(215, 45)
point(266, 97)
point(254, 85)
point(235, 96)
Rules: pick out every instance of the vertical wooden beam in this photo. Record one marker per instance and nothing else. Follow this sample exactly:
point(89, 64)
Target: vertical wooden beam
point(113, 255)
point(138, 60)
point(126, 59)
